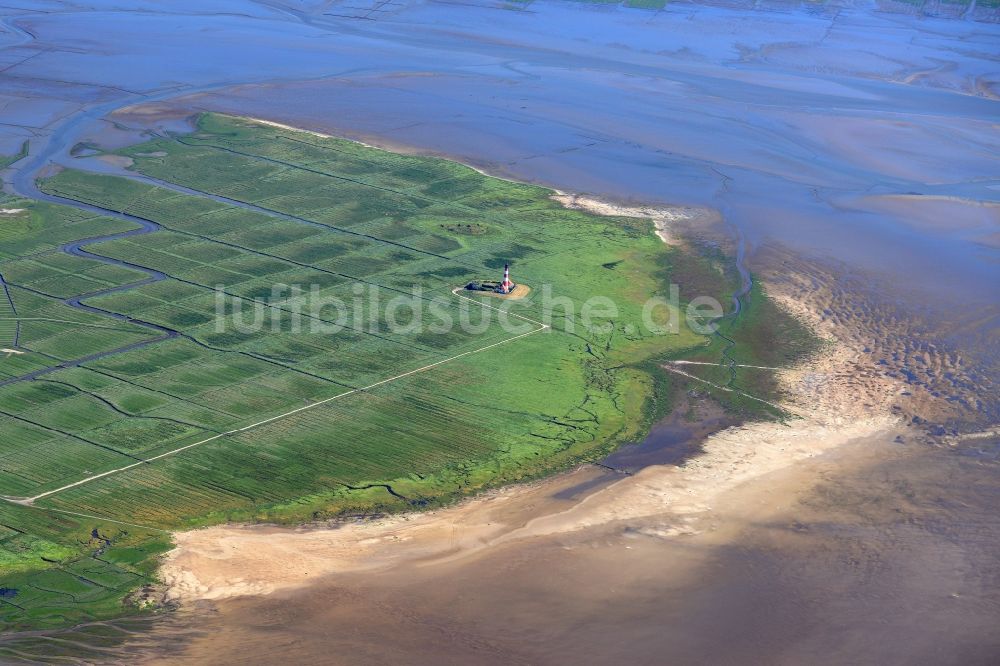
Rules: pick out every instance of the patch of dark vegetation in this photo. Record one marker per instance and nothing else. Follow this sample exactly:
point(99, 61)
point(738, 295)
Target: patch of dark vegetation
point(445, 272)
point(454, 188)
point(188, 318)
point(259, 293)
point(437, 244)
point(318, 252)
point(139, 436)
point(633, 226)
point(307, 278)
point(7, 160)
point(762, 334)
point(432, 340)
point(231, 338)
point(771, 335)
point(41, 393)
point(84, 149)
point(467, 229)
point(397, 229)
point(704, 272)
point(515, 251)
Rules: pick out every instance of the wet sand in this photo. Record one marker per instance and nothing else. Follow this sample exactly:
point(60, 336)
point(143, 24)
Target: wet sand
point(839, 560)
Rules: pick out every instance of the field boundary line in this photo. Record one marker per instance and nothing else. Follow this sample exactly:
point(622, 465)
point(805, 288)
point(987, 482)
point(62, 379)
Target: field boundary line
point(66, 321)
point(725, 388)
point(723, 365)
point(103, 518)
point(29, 501)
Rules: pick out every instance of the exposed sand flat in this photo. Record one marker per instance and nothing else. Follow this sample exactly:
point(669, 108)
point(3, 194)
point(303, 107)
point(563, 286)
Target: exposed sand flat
point(119, 161)
point(731, 459)
point(271, 123)
point(973, 218)
point(886, 360)
point(666, 218)
point(972, 436)
point(11, 211)
point(237, 560)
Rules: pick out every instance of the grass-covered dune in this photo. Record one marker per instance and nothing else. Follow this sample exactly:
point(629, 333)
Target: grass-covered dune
point(295, 422)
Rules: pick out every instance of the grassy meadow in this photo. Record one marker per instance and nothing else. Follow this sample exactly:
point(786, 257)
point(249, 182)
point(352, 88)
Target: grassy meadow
point(242, 207)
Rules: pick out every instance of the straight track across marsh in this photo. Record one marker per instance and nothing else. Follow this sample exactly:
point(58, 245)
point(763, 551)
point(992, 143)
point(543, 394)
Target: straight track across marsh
point(28, 501)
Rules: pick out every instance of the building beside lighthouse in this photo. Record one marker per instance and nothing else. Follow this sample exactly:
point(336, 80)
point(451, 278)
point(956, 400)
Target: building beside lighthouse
point(504, 287)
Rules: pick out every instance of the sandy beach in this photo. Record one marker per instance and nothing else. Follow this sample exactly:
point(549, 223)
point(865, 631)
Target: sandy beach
point(271, 558)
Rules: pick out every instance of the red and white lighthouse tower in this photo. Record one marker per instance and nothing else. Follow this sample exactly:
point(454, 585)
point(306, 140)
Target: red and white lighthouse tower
point(506, 286)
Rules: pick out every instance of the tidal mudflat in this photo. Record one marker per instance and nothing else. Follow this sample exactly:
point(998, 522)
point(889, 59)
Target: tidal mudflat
point(847, 156)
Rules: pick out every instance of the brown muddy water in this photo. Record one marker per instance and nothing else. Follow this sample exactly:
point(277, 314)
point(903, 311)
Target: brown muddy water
point(855, 153)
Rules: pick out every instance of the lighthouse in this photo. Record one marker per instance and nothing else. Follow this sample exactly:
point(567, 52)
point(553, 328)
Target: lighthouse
point(506, 286)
